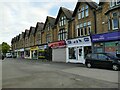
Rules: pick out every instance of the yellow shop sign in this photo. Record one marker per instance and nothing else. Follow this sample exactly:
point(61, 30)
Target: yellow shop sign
point(34, 48)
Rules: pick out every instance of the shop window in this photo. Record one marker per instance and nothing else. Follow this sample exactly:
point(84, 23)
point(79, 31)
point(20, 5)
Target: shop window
point(72, 53)
point(115, 21)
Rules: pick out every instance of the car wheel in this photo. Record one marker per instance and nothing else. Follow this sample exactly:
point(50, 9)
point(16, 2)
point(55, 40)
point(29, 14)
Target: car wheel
point(89, 65)
point(115, 67)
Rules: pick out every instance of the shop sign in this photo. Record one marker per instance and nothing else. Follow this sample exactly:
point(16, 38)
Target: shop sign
point(79, 41)
point(43, 47)
point(34, 48)
point(106, 37)
point(57, 44)
point(27, 48)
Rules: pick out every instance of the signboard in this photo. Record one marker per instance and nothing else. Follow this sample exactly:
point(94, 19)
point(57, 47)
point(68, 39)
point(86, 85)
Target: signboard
point(106, 37)
point(57, 44)
point(79, 41)
point(34, 48)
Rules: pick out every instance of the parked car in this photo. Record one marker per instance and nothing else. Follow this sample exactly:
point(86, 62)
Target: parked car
point(8, 55)
point(104, 60)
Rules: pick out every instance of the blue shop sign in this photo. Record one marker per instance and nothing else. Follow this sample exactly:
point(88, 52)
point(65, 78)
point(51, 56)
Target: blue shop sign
point(106, 37)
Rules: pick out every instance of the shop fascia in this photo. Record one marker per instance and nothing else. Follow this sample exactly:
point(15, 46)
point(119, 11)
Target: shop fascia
point(84, 41)
point(19, 50)
point(59, 44)
point(34, 48)
point(113, 36)
point(76, 49)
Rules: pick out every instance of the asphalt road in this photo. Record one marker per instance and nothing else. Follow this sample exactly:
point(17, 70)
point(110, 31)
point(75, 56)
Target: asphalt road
point(19, 73)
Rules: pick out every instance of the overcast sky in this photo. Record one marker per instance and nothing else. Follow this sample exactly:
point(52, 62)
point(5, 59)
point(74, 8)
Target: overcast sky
point(18, 15)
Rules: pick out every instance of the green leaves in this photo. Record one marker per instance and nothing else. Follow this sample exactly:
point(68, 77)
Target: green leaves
point(5, 47)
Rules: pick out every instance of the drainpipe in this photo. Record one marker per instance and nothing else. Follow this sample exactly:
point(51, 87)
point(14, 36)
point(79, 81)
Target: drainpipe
point(94, 13)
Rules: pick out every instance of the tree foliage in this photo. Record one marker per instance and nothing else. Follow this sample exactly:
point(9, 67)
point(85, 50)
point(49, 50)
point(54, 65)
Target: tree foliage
point(5, 47)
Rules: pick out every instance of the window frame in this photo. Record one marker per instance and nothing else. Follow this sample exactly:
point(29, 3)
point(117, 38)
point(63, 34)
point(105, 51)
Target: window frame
point(113, 21)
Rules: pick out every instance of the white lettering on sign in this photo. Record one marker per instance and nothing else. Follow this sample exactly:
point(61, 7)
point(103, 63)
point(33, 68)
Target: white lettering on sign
point(79, 41)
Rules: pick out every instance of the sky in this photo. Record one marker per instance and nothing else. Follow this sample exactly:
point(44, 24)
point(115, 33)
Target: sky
point(18, 15)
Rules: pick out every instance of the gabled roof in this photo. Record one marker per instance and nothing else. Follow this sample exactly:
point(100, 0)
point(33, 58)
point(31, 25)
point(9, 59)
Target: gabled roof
point(90, 3)
point(26, 32)
point(23, 34)
point(12, 41)
point(101, 2)
point(32, 30)
point(17, 37)
point(68, 13)
point(39, 26)
point(51, 21)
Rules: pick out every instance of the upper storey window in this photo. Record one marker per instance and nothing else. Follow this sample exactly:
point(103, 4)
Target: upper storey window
point(114, 3)
point(62, 21)
point(83, 12)
point(115, 21)
point(48, 27)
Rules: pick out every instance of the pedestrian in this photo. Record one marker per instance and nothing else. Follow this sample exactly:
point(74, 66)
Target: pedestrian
point(2, 57)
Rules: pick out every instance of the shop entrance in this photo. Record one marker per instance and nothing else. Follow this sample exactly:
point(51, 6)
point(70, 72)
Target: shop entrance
point(81, 54)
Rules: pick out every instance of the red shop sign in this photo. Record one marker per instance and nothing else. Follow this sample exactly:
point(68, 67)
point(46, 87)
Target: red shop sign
point(57, 44)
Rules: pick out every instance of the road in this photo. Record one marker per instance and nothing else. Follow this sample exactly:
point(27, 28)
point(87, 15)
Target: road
point(21, 73)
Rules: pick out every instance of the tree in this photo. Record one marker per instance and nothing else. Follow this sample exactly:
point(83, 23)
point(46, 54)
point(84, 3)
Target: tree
point(5, 47)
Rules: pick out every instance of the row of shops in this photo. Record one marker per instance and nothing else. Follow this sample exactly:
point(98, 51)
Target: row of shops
point(74, 50)
point(35, 52)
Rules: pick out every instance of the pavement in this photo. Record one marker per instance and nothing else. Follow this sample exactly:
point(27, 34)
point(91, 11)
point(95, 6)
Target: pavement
point(21, 73)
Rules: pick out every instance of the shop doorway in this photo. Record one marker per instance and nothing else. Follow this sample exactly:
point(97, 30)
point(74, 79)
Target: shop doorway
point(87, 50)
point(81, 54)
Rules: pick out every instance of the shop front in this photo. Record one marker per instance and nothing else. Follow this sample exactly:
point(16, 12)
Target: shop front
point(19, 53)
point(107, 42)
point(34, 52)
point(27, 53)
point(58, 51)
point(42, 51)
point(77, 49)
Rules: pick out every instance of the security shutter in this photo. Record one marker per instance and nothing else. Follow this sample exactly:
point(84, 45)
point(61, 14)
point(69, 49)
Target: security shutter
point(59, 55)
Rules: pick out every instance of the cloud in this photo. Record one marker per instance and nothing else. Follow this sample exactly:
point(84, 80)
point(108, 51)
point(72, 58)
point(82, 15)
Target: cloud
point(18, 15)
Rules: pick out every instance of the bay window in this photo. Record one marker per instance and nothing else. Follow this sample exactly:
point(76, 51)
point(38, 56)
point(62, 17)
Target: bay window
point(62, 35)
point(89, 28)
